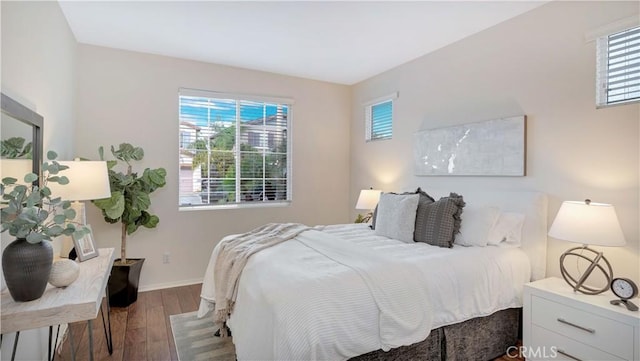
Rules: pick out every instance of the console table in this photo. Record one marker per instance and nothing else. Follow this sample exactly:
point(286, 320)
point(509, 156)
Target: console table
point(80, 301)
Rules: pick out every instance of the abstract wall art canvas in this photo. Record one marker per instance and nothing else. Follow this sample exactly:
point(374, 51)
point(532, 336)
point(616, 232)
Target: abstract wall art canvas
point(490, 148)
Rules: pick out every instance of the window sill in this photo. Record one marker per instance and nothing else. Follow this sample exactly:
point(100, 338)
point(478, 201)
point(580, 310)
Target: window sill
point(234, 206)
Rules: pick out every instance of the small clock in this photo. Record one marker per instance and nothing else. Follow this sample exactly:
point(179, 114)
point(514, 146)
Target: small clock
point(626, 290)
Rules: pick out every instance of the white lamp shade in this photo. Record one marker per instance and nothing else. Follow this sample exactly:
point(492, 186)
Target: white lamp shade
point(16, 168)
point(593, 223)
point(368, 199)
point(87, 180)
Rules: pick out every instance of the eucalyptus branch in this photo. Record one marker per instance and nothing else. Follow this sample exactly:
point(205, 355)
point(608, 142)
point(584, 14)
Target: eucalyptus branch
point(31, 211)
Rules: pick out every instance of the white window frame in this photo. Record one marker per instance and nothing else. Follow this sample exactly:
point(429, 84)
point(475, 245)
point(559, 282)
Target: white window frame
point(601, 37)
point(369, 126)
point(251, 98)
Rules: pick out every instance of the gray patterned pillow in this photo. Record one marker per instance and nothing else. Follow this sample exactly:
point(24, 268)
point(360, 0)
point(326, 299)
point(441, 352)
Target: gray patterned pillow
point(422, 211)
point(437, 223)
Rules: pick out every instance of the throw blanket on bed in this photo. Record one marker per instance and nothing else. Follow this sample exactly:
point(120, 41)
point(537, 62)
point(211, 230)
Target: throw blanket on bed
point(233, 256)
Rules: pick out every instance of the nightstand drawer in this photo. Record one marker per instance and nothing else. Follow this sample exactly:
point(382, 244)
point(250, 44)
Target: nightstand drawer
point(600, 332)
point(547, 345)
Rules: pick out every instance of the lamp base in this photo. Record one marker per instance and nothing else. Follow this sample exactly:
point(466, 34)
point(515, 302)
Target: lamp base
point(578, 285)
point(80, 219)
point(66, 246)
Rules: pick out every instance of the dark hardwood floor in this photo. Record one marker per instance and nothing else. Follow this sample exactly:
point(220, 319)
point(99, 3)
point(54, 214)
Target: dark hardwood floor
point(142, 331)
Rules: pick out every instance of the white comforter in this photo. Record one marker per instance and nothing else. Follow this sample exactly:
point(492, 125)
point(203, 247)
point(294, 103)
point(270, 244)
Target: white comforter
point(307, 300)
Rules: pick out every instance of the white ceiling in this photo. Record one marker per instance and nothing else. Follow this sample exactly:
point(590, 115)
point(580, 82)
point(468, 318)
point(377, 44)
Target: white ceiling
point(341, 42)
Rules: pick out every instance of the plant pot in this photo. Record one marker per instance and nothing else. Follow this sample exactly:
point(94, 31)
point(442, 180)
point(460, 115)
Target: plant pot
point(123, 282)
point(26, 268)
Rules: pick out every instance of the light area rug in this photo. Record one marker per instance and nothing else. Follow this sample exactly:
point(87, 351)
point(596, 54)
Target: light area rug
point(195, 341)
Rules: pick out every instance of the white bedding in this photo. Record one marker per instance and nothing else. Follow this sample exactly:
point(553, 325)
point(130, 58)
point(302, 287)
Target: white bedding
point(297, 303)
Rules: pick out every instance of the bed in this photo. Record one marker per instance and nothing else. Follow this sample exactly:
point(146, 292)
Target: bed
point(318, 297)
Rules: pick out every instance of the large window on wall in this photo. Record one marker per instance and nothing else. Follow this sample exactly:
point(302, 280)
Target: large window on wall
point(234, 150)
point(618, 68)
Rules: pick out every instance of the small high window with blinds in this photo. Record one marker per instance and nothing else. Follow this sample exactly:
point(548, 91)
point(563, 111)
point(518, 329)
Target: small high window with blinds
point(233, 149)
point(618, 68)
point(379, 118)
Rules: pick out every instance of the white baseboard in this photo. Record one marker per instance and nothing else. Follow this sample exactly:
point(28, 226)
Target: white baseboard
point(159, 286)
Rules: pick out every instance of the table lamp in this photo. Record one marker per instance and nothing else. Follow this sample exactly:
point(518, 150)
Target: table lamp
point(367, 200)
point(590, 224)
point(88, 180)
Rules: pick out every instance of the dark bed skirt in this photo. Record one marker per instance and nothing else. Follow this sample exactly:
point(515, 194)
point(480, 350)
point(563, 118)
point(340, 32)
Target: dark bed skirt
point(482, 339)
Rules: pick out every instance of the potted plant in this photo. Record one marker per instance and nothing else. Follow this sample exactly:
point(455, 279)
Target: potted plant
point(129, 204)
point(33, 217)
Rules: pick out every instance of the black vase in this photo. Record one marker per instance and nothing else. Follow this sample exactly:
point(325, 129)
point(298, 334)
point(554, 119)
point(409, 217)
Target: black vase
point(26, 268)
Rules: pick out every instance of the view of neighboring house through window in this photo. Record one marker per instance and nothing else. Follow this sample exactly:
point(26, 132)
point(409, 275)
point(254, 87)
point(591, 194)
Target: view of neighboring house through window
point(379, 118)
point(233, 149)
point(618, 68)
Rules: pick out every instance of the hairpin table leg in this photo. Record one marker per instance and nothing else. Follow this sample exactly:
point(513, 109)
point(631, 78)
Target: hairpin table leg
point(50, 340)
point(55, 344)
point(90, 330)
point(107, 334)
point(15, 346)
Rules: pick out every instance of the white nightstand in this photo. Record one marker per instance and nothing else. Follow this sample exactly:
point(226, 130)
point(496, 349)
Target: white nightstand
point(561, 324)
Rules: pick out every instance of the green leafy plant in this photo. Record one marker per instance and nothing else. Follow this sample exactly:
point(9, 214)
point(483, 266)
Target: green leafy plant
point(359, 219)
point(363, 218)
point(130, 193)
point(15, 147)
point(30, 212)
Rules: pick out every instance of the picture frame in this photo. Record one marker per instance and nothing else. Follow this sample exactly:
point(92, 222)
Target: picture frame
point(495, 148)
point(85, 246)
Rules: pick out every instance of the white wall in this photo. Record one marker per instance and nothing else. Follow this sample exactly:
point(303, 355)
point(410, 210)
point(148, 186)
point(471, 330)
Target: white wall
point(537, 64)
point(132, 97)
point(38, 70)
point(38, 67)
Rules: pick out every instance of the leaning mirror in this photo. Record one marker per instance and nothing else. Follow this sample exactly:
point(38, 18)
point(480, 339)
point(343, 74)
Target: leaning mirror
point(20, 139)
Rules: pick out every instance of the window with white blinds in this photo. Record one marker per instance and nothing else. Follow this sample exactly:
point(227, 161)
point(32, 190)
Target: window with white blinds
point(379, 118)
point(618, 68)
point(233, 149)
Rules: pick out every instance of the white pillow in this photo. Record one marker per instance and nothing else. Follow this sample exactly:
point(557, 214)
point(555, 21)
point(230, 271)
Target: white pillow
point(508, 229)
point(476, 224)
point(396, 217)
